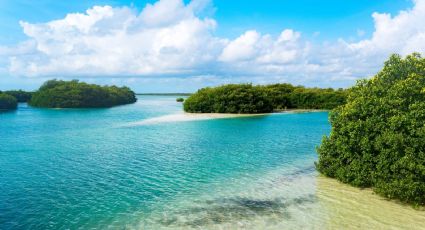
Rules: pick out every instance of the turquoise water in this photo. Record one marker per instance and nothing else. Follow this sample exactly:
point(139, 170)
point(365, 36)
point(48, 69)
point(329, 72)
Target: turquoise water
point(106, 168)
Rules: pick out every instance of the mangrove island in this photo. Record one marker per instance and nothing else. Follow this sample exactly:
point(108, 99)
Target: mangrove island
point(248, 98)
point(75, 94)
point(7, 102)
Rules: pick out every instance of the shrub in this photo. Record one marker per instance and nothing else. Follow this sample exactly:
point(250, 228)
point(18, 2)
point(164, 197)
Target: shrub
point(20, 95)
point(378, 138)
point(7, 102)
point(232, 98)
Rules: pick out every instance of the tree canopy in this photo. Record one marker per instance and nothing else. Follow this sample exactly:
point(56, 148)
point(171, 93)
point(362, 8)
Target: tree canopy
point(286, 96)
point(20, 95)
point(75, 94)
point(246, 98)
point(7, 102)
point(378, 137)
point(232, 98)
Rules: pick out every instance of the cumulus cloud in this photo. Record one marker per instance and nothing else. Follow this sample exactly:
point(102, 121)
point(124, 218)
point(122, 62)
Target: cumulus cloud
point(171, 38)
point(165, 38)
point(251, 46)
point(242, 48)
point(289, 57)
point(403, 33)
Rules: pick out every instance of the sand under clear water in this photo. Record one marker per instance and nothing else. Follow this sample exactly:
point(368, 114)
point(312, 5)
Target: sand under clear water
point(184, 117)
point(298, 200)
point(349, 207)
point(150, 166)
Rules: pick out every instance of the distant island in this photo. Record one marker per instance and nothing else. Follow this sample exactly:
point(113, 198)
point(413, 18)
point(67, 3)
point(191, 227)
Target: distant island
point(75, 94)
point(9, 99)
point(8, 102)
point(378, 138)
point(248, 98)
point(20, 95)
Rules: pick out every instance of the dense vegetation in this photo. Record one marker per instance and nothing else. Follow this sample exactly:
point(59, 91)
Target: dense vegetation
point(7, 102)
point(286, 96)
point(246, 98)
point(232, 98)
point(164, 94)
point(20, 95)
point(180, 99)
point(378, 137)
point(75, 94)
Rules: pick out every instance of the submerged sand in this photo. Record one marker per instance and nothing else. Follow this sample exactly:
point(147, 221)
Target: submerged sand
point(278, 200)
point(348, 207)
point(183, 117)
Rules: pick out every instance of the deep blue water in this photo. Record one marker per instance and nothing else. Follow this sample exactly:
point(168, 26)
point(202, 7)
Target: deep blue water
point(99, 168)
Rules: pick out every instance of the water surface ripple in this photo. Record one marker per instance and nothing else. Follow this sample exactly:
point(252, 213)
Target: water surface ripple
point(147, 166)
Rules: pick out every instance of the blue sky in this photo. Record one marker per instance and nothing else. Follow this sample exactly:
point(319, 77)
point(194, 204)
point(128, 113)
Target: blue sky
point(242, 33)
point(335, 17)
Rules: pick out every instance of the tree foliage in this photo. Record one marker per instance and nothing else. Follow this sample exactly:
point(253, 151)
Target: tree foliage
point(180, 99)
point(75, 94)
point(20, 95)
point(286, 96)
point(232, 98)
point(246, 98)
point(378, 137)
point(7, 102)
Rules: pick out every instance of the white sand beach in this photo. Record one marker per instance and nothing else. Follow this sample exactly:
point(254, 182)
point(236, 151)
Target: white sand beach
point(182, 117)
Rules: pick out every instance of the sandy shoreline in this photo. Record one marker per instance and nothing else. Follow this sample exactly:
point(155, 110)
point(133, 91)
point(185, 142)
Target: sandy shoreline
point(301, 110)
point(182, 117)
point(224, 115)
point(351, 207)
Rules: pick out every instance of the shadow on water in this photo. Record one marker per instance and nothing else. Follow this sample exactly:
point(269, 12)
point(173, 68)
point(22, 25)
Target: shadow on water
point(302, 171)
point(5, 111)
point(226, 210)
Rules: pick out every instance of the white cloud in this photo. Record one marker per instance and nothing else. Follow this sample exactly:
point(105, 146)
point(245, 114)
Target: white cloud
point(170, 38)
point(242, 48)
point(164, 38)
point(403, 33)
point(252, 46)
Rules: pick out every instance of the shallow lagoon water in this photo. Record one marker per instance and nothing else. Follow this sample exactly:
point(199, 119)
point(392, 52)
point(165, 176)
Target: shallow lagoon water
point(147, 166)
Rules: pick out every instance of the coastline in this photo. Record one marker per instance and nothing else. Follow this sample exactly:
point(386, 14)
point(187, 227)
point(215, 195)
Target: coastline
point(186, 116)
point(230, 115)
point(301, 110)
point(224, 115)
point(347, 207)
point(234, 115)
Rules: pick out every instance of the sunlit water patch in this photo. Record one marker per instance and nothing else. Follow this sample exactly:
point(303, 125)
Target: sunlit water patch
point(101, 168)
